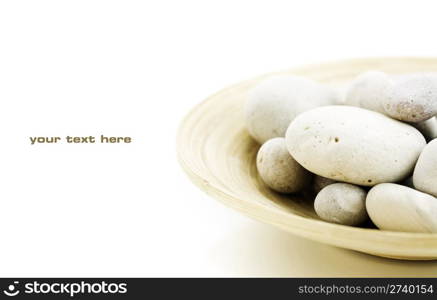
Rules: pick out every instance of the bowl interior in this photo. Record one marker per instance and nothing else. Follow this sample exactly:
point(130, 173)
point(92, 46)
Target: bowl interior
point(218, 154)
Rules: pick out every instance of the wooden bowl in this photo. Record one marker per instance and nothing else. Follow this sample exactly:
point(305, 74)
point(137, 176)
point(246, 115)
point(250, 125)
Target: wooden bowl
point(218, 154)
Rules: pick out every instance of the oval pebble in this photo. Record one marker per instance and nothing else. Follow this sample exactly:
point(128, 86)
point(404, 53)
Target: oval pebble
point(341, 203)
point(279, 170)
point(354, 145)
point(425, 172)
point(399, 208)
point(275, 102)
point(413, 99)
point(369, 90)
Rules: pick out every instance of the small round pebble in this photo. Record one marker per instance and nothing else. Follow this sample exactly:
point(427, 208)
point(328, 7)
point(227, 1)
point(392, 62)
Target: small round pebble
point(275, 102)
point(413, 99)
point(425, 172)
point(396, 207)
point(369, 90)
point(320, 182)
point(279, 170)
point(341, 203)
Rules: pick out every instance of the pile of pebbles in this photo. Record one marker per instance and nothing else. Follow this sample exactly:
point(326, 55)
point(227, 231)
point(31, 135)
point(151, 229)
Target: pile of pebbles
point(369, 152)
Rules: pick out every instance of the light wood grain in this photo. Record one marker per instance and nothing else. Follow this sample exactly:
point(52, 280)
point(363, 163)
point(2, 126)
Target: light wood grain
point(218, 154)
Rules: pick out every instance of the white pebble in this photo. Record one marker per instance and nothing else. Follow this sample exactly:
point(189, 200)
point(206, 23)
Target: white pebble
point(354, 145)
point(425, 172)
point(279, 170)
point(413, 99)
point(341, 203)
point(275, 102)
point(428, 128)
point(368, 91)
point(399, 208)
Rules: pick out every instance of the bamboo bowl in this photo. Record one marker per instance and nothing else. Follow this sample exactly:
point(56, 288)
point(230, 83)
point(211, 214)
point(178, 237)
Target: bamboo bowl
point(218, 154)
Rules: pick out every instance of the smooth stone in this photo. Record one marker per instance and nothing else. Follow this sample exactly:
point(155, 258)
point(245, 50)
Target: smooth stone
point(320, 182)
point(413, 99)
point(369, 90)
point(425, 172)
point(428, 128)
point(396, 207)
point(341, 203)
point(275, 102)
point(279, 170)
point(354, 145)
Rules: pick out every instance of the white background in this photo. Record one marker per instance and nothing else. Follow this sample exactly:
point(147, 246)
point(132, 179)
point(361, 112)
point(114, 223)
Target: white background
point(135, 68)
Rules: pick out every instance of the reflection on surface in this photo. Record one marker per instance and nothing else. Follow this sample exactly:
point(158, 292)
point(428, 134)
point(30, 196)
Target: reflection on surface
point(262, 250)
